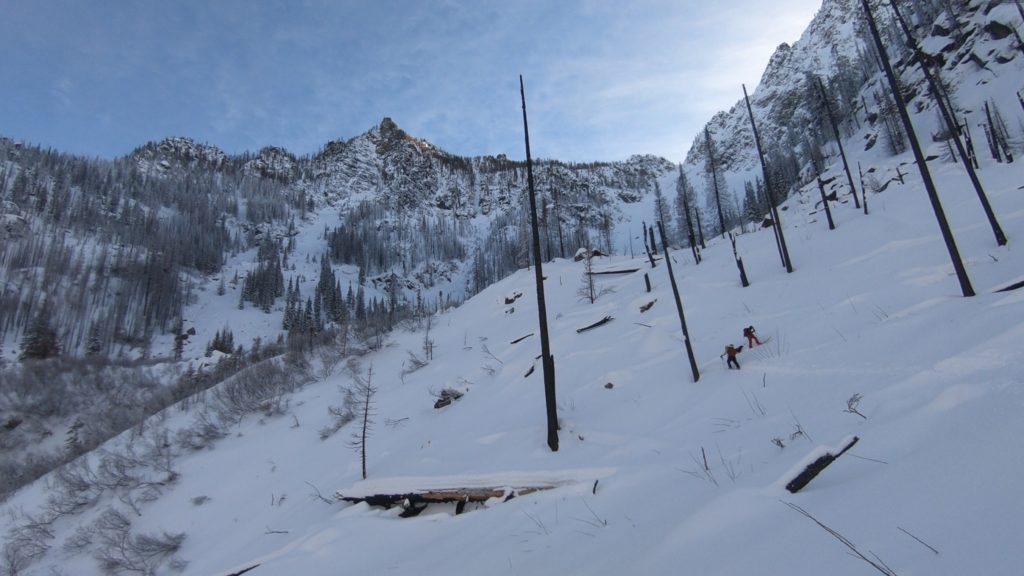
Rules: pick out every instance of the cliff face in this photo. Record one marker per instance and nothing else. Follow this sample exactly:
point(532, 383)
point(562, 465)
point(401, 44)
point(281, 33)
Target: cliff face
point(975, 46)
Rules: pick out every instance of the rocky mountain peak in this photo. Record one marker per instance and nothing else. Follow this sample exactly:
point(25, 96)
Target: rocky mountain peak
point(177, 152)
point(776, 64)
point(274, 162)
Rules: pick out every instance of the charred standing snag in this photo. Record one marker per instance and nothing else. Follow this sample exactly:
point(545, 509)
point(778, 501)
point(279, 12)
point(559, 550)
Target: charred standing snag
point(714, 180)
point(839, 143)
point(739, 261)
point(922, 166)
point(783, 250)
point(547, 361)
point(934, 86)
point(679, 307)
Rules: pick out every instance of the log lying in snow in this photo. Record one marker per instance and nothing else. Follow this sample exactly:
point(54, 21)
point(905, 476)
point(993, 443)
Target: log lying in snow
point(444, 495)
point(417, 492)
point(604, 320)
point(625, 271)
point(521, 338)
point(1014, 286)
point(415, 502)
point(814, 468)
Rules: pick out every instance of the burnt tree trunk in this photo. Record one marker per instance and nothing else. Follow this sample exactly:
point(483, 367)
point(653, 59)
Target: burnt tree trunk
point(679, 306)
point(739, 262)
point(783, 250)
point(824, 199)
point(839, 142)
point(934, 85)
point(922, 165)
point(714, 179)
point(542, 311)
point(863, 189)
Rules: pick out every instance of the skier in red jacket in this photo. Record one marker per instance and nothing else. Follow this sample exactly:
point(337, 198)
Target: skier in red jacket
point(751, 336)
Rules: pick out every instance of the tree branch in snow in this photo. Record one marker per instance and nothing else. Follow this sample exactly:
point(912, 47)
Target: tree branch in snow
point(877, 563)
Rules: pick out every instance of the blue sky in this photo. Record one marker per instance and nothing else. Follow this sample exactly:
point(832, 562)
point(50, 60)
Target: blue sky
point(604, 79)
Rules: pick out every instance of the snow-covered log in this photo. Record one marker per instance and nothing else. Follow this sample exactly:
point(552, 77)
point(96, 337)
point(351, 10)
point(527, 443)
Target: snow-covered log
point(816, 466)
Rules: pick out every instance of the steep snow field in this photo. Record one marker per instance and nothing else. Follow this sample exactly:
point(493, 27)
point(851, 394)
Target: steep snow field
point(871, 308)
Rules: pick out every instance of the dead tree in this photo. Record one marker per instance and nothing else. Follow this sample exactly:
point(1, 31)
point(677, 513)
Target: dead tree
point(714, 178)
point(548, 362)
point(679, 306)
point(739, 261)
point(926, 176)
point(824, 197)
point(684, 194)
point(364, 392)
point(647, 247)
point(934, 85)
point(783, 250)
point(839, 142)
point(700, 229)
point(863, 189)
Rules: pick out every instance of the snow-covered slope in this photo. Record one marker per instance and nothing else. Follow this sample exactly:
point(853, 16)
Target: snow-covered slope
point(655, 473)
point(688, 475)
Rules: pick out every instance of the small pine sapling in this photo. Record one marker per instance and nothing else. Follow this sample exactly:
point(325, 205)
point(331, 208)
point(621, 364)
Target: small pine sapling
point(364, 392)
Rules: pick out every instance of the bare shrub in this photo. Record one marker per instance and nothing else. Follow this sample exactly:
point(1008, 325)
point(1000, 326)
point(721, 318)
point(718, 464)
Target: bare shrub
point(340, 415)
point(18, 472)
point(80, 540)
point(330, 357)
point(13, 561)
point(411, 365)
point(205, 430)
point(852, 403)
point(74, 488)
point(28, 540)
point(258, 388)
point(120, 551)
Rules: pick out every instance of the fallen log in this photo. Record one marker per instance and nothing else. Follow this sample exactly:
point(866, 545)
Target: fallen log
point(600, 322)
point(647, 306)
point(521, 338)
point(415, 502)
point(815, 468)
point(1014, 286)
point(625, 271)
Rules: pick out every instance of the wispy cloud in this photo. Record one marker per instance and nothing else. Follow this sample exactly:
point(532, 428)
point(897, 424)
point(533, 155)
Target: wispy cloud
point(604, 79)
